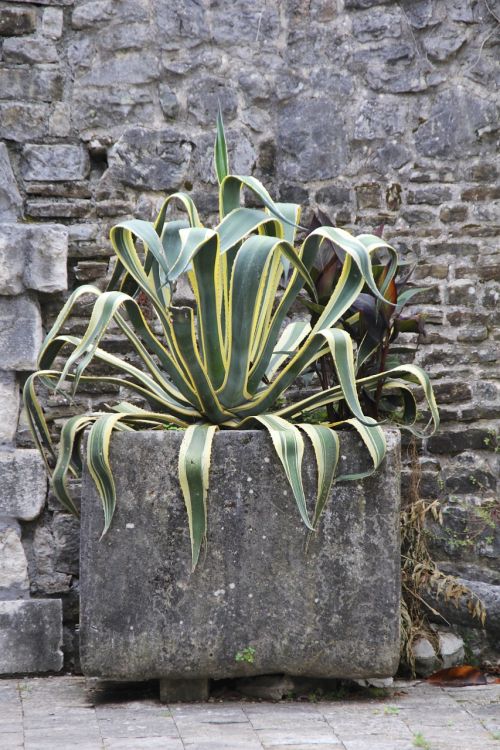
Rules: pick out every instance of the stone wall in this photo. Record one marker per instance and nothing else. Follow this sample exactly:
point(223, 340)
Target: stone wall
point(380, 113)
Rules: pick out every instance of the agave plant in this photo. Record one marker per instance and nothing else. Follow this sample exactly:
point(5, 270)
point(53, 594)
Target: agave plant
point(225, 363)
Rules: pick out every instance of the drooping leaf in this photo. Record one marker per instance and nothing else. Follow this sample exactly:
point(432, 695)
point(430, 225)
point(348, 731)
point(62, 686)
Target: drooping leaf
point(194, 467)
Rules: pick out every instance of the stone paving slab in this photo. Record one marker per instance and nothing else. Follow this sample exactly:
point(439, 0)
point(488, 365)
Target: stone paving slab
point(75, 713)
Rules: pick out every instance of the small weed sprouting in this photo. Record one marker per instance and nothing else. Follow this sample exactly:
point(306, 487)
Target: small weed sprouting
point(391, 710)
point(246, 654)
point(420, 741)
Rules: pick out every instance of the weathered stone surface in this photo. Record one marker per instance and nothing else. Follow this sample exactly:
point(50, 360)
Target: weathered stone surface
point(11, 203)
point(23, 483)
point(22, 121)
point(314, 148)
point(206, 96)
point(30, 83)
point(455, 124)
point(17, 21)
point(30, 636)
point(87, 15)
point(57, 162)
point(451, 649)
point(32, 50)
point(444, 41)
point(20, 332)
point(66, 531)
point(9, 406)
point(250, 584)
point(33, 257)
point(13, 565)
point(490, 596)
point(168, 101)
point(426, 659)
point(370, 26)
point(154, 159)
point(52, 23)
point(379, 118)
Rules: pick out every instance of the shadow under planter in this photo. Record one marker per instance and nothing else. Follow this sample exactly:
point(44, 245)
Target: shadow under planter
point(259, 602)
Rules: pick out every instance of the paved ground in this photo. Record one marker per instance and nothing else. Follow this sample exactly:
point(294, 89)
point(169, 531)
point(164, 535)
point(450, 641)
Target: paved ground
point(72, 713)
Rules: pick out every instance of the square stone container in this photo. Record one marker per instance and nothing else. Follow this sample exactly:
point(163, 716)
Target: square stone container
point(329, 608)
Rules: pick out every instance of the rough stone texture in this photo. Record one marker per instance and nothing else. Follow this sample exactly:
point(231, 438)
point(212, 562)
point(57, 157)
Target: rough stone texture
point(9, 406)
point(20, 332)
point(30, 636)
point(381, 113)
point(17, 21)
point(33, 257)
point(54, 163)
point(326, 613)
point(14, 581)
point(10, 200)
point(23, 483)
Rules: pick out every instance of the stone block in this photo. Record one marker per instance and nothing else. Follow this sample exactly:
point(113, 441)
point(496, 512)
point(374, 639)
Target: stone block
point(168, 101)
point(370, 26)
point(23, 483)
point(30, 83)
point(312, 148)
point(87, 15)
point(54, 163)
point(30, 636)
point(327, 611)
point(11, 203)
point(460, 614)
point(17, 21)
point(14, 581)
point(32, 50)
point(451, 649)
point(52, 23)
point(153, 159)
point(426, 659)
point(9, 406)
point(455, 124)
point(33, 257)
point(379, 118)
point(20, 332)
point(23, 121)
point(46, 268)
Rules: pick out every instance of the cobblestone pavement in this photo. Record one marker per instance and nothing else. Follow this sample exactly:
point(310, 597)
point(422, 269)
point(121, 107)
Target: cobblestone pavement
point(73, 713)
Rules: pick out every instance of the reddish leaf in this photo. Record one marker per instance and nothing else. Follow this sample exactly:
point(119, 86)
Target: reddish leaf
point(458, 677)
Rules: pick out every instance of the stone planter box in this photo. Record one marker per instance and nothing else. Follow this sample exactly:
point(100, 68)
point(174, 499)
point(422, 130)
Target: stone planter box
point(329, 611)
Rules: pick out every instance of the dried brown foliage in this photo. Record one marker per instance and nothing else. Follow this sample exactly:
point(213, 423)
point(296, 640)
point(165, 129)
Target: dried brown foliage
point(420, 574)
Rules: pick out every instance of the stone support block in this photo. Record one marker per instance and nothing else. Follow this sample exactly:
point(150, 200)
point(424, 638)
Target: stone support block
point(58, 162)
point(11, 203)
point(14, 581)
point(23, 483)
point(20, 332)
point(33, 257)
point(30, 636)
point(9, 406)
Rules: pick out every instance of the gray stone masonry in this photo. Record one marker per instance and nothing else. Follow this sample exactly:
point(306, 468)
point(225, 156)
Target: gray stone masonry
point(23, 483)
point(33, 257)
point(381, 113)
point(322, 612)
point(30, 636)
